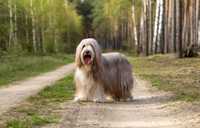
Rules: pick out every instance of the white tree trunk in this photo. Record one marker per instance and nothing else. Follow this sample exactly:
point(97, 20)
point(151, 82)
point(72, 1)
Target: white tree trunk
point(42, 28)
point(55, 41)
point(150, 28)
point(11, 33)
point(33, 26)
point(27, 32)
point(199, 34)
point(55, 34)
point(156, 25)
point(15, 23)
point(198, 21)
point(145, 28)
point(160, 23)
point(141, 34)
point(134, 24)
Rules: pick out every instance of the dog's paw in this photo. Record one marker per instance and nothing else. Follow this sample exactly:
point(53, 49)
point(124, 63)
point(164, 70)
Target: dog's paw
point(98, 100)
point(109, 99)
point(76, 99)
point(80, 99)
point(129, 99)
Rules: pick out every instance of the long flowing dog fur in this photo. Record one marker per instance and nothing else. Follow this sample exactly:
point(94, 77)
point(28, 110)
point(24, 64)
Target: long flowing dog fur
point(109, 74)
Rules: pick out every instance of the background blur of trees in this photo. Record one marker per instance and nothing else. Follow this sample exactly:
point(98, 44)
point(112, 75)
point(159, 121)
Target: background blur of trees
point(38, 26)
point(144, 26)
point(149, 26)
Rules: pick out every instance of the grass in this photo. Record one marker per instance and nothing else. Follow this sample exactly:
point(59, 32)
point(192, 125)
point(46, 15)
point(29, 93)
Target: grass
point(40, 110)
point(180, 76)
point(14, 68)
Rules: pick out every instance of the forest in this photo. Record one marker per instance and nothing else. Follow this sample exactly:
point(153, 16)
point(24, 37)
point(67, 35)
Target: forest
point(159, 38)
point(143, 26)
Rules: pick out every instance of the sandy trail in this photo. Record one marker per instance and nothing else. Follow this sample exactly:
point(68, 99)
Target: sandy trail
point(150, 109)
point(18, 91)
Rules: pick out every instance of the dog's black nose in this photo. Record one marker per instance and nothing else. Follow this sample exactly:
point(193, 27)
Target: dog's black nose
point(87, 52)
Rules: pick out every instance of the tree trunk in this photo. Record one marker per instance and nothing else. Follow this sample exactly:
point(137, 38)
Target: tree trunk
point(198, 22)
point(11, 33)
point(141, 36)
point(150, 26)
point(55, 41)
point(179, 28)
point(160, 27)
point(169, 26)
point(42, 30)
point(15, 23)
point(134, 24)
point(156, 24)
point(185, 25)
point(173, 39)
point(27, 30)
point(166, 27)
point(146, 24)
point(33, 26)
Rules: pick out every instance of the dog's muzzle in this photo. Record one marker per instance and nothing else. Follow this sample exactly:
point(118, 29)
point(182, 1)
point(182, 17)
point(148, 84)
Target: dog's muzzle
point(87, 56)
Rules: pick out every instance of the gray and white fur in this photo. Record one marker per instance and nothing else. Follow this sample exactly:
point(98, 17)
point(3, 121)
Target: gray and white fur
point(99, 76)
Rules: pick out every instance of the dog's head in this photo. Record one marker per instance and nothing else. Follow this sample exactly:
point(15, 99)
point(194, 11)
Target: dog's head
point(88, 53)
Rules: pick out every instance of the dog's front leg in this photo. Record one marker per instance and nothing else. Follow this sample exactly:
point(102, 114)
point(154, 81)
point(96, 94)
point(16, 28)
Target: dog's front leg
point(99, 95)
point(80, 94)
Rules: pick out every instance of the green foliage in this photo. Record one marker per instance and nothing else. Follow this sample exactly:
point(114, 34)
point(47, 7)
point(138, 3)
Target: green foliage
point(109, 17)
point(22, 66)
point(33, 120)
point(42, 120)
point(84, 8)
point(18, 124)
point(29, 122)
point(37, 111)
point(63, 90)
point(57, 25)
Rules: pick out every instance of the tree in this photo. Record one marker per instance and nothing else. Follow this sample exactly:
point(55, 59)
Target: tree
point(11, 33)
point(39, 26)
point(33, 26)
point(134, 24)
point(112, 27)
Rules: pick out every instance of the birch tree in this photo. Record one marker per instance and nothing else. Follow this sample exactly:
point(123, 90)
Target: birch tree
point(179, 28)
point(15, 23)
point(11, 31)
point(198, 21)
point(33, 26)
point(156, 26)
point(150, 25)
point(159, 42)
point(134, 24)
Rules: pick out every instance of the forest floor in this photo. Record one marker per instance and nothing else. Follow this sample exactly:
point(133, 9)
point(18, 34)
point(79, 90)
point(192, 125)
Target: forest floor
point(163, 102)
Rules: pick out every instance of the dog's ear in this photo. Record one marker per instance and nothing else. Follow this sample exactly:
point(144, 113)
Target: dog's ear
point(78, 55)
point(98, 56)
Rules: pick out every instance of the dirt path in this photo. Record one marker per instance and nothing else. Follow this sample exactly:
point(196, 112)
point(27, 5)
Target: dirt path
point(17, 92)
point(150, 109)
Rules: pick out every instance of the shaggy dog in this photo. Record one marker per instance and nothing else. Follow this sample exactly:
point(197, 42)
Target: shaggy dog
point(99, 76)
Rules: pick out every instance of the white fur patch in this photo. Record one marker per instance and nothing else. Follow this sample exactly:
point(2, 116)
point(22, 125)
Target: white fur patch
point(87, 88)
